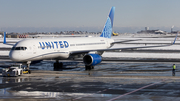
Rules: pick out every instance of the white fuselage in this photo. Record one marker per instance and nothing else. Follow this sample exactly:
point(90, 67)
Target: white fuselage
point(52, 48)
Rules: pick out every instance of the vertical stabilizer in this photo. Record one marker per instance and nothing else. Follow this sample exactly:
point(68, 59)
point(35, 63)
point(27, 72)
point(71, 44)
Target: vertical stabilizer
point(107, 31)
point(4, 42)
point(175, 38)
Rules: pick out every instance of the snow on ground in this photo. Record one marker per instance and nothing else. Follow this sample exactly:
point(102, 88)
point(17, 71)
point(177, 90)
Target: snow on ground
point(4, 53)
point(142, 55)
point(172, 47)
point(5, 46)
point(11, 39)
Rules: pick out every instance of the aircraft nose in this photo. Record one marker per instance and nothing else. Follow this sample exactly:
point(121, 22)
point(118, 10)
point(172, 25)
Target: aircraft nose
point(14, 55)
point(11, 55)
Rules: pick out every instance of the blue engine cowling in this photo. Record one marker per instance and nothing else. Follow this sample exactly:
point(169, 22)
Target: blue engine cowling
point(92, 59)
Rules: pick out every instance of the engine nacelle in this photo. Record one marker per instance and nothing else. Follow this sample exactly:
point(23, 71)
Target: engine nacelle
point(92, 59)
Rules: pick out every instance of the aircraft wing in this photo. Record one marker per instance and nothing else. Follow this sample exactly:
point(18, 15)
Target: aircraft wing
point(110, 49)
point(124, 41)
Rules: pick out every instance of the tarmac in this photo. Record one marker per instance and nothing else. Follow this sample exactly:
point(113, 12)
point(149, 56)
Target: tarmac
point(109, 81)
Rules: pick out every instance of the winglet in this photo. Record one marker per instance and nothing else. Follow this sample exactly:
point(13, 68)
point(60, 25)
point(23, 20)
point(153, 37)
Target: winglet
point(175, 38)
point(4, 42)
point(107, 31)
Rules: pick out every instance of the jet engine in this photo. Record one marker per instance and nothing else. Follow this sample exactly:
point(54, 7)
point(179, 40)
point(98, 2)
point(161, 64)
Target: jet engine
point(92, 59)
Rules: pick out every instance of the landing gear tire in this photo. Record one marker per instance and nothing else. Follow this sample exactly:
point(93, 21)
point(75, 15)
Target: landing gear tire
point(29, 71)
point(61, 65)
point(89, 67)
point(58, 65)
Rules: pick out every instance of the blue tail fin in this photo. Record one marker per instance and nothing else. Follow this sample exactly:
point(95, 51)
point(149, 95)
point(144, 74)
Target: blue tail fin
point(4, 38)
point(107, 31)
point(175, 38)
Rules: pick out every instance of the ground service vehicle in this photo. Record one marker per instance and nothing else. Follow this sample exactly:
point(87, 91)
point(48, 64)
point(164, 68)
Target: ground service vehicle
point(14, 70)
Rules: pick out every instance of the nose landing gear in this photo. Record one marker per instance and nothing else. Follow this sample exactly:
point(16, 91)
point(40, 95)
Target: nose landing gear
point(27, 70)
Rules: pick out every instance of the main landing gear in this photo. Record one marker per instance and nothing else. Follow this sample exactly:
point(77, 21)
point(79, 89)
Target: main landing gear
point(89, 67)
point(58, 65)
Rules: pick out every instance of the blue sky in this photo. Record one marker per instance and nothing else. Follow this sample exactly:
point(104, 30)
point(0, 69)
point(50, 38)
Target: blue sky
point(87, 15)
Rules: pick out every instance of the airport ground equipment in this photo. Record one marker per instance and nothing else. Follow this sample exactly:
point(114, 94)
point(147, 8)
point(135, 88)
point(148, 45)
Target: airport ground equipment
point(115, 34)
point(26, 71)
point(14, 70)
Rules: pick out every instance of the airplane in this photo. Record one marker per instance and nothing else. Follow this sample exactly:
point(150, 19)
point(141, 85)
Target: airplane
point(91, 48)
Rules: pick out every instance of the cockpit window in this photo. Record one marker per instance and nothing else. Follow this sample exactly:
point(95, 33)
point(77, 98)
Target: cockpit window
point(19, 48)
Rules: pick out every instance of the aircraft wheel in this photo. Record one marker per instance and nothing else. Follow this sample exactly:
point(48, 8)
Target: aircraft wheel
point(60, 65)
point(56, 65)
point(89, 67)
point(29, 71)
point(86, 68)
